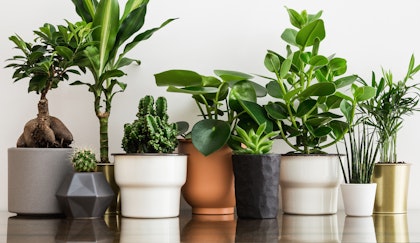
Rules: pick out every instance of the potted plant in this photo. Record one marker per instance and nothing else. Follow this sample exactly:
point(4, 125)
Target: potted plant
point(256, 173)
point(149, 175)
point(209, 188)
point(114, 36)
point(393, 101)
point(313, 105)
point(45, 142)
point(358, 191)
point(86, 193)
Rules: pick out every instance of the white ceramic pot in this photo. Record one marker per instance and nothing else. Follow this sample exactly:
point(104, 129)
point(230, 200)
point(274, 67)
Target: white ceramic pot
point(358, 198)
point(309, 183)
point(150, 184)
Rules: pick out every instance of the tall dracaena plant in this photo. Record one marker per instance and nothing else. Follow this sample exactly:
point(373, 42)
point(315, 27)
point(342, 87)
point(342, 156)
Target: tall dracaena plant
point(114, 36)
point(393, 101)
point(309, 106)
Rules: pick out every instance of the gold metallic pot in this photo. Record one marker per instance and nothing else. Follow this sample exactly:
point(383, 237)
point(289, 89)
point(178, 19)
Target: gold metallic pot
point(108, 170)
point(392, 187)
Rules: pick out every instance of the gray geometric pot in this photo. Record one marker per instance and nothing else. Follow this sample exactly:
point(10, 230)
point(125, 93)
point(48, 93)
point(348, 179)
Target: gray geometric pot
point(85, 195)
point(256, 185)
point(34, 175)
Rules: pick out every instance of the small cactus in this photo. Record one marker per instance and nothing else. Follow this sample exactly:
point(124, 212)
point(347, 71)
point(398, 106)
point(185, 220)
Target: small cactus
point(84, 160)
point(151, 132)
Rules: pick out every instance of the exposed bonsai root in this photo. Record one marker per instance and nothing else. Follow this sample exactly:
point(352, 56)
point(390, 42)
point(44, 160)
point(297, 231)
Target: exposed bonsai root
point(45, 131)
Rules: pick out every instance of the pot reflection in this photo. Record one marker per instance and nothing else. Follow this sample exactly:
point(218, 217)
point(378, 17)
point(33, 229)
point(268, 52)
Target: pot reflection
point(252, 230)
point(210, 228)
point(309, 228)
point(391, 227)
point(358, 229)
point(32, 229)
point(84, 230)
point(150, 230)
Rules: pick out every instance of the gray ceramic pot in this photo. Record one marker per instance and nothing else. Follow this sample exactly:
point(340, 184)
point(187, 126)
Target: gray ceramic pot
point(256, 185)
point(34, 176)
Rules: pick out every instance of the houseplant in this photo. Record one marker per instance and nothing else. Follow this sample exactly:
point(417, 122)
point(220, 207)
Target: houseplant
point(45, 142)
point(86, 193)
point(393, 101)
point(256, 173)
point(358, 191)
point(114, 36)
point(209, 188)
point(312, 109)
point(149, 175)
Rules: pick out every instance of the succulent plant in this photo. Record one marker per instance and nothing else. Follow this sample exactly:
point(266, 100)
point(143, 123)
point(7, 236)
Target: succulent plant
point(150, 132)
point(84, 160)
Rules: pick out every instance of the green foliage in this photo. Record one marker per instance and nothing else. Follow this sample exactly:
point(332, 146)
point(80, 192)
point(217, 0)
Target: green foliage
point(150, 132)
point(312, 108)
point(252, 142)
point(392, 102)
point(114, 36)
point(223, 101)
point(84, 160)
point(53, 55)
point(361, 153)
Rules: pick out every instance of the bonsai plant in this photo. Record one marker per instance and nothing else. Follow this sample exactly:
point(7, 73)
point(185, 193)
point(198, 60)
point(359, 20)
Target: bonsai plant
point(209, 188)
point(313, 105)
point(361, 152)
point(114, 36)
point(392, 102)
point(46, 62)
point(149, 175)
point(256, 173)
point(86, 193)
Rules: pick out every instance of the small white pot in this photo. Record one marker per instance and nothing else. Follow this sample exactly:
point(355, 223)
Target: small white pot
point(150, 184)
point(358, 198)
point(309, 183)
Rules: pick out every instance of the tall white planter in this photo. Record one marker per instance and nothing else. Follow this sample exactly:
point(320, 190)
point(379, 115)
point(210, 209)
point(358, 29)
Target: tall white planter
point(358, 198)
point(309, 183)
point(150, 184)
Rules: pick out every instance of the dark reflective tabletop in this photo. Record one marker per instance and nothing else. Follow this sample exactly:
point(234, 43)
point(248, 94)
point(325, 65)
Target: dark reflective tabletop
point(223, 228)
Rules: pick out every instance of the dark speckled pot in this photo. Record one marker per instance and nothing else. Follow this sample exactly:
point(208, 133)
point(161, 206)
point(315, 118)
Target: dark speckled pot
point(256, 185)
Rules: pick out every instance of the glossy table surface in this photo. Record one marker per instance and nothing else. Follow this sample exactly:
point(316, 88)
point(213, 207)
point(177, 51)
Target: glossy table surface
point(226, 228)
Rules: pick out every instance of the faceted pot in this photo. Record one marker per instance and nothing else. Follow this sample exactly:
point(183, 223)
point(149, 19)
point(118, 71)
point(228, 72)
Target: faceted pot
point(256, 185)
point(85, 195)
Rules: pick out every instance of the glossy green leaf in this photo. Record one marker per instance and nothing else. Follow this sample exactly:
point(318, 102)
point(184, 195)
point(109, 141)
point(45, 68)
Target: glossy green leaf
point(342, 82)
point(289, 36)
point(194, 90)
point(319, 89)
point(241, 91)
point(257, 113)
point(64, 52)
point(274, 90)
point(347, 109)
point(295, 18)
point(318, 61)
point(230, 76)
point(364, 93)
point(307, 35)
point(178, 78)
point(277, 111)
point(285, 67)
point(210, 135)
point(305, 107)
point(272, 62)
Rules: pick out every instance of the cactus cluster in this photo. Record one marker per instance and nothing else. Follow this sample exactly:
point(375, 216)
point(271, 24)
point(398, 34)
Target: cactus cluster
point(84, 160)
point(150, 132)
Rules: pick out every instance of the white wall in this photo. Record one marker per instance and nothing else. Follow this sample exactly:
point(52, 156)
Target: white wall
point(217, 34)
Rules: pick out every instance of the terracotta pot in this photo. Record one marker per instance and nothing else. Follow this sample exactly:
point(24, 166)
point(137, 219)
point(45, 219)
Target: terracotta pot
point(209, 188)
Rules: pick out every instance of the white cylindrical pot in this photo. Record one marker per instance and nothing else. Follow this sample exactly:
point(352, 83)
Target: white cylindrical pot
point(150, 184)
point(309, 183)
point(358, 198)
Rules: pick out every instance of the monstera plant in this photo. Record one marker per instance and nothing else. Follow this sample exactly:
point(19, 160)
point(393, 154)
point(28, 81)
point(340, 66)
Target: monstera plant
point(115, 35)
point(223, 102)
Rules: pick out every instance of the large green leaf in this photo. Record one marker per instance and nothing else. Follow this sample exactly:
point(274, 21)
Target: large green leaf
point(257, 113)
point(230, 76)
point(272, 62)
point(277, 111)
point(289, 36)
point(178, 78)
point(307, 35)
point(106, 25)
point(86, 9)
point(241, 91)
point(194, 90)
point(305, 107)
point(210, 135)
point(364, 93)
point(319, 89)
